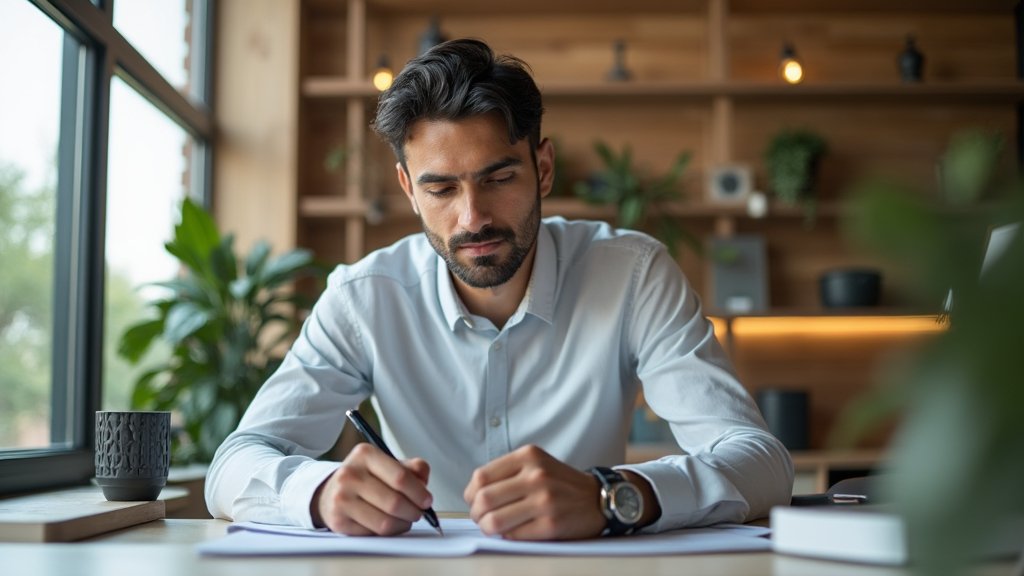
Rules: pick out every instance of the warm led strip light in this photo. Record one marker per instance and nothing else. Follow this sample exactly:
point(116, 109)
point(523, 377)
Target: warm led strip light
point(829, 325)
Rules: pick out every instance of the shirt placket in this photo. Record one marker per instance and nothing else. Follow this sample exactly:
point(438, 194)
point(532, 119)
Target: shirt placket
point(496, 398)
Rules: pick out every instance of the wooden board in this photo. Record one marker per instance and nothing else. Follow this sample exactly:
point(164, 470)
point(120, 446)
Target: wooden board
point(73, 514)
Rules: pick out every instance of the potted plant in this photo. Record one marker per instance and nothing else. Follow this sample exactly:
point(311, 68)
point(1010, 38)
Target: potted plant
point(958, 457)
point(635, 196)
point(792, 159)
point(223, 320)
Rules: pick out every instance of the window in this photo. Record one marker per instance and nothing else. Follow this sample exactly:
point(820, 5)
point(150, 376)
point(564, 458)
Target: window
point(145, 185)
point(29, 114)
point(104, 130)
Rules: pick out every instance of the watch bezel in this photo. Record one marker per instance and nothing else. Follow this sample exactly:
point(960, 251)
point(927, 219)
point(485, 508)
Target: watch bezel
point(614, 504)
point(612, 481)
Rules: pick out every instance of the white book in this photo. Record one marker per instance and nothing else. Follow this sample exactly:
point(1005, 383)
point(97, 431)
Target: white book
point(863, 533)
point(852, 533)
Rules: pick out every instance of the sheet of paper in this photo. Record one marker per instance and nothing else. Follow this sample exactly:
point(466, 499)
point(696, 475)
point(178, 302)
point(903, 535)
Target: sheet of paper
point(462, 538)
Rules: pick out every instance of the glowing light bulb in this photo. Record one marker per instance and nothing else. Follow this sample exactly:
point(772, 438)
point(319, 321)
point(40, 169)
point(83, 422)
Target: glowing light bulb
point(383, 76)
point(790, 68)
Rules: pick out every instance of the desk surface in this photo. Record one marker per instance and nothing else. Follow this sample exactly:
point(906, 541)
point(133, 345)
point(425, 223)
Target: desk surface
point(166, 547)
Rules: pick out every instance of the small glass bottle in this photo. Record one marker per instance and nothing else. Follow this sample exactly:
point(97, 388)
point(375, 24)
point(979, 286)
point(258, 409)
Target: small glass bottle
point(911, 62)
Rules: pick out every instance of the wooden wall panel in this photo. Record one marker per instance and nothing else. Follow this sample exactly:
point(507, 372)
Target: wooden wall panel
point(657, 131)
point(256, 92)
point(566, 46)
point(903, 139)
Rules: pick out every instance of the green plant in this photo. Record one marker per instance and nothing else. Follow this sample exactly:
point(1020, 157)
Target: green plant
point(635, 196)
point(792, 159)
point(958, 458)
point(222, 321)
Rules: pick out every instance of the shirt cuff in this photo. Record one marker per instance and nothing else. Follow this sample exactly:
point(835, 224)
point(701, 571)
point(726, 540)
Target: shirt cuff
point(297, 492)
point(665, 478)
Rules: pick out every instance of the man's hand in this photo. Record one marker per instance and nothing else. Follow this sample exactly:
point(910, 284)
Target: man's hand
point(372, 494)
point(530, 495)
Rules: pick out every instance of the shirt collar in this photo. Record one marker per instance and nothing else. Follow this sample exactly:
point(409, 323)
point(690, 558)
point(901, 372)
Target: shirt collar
point(540, 292)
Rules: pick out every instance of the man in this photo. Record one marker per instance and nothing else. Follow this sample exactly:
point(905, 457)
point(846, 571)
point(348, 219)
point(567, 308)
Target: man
point(504, 349)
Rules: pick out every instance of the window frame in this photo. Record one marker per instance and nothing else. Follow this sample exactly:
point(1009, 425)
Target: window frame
point(94, 52)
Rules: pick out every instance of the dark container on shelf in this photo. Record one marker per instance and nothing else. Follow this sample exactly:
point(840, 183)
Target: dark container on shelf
point(850, 288)
point(786, 413)
point(911, 62)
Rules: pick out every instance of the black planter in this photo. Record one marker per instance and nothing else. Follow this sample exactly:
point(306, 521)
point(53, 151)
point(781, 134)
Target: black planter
point(850, 288)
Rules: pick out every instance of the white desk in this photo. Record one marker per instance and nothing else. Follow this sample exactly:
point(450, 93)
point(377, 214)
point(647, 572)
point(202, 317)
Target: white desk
point(165, 548)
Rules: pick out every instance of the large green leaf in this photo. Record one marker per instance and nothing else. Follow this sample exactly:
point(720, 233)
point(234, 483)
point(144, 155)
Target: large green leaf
point(183, 320)
point(284, 268)
point(137, 339)
point(144, 392)
point(188, 287)
point(257, 258)
point(631, 212)
point(195, 237)
point(223, 263)
point(197, 228)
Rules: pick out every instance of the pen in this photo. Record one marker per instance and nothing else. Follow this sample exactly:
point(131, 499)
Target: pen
point(370, 436)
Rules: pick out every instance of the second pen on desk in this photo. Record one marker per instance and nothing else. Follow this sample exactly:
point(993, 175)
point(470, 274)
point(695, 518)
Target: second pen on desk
point(368, 434)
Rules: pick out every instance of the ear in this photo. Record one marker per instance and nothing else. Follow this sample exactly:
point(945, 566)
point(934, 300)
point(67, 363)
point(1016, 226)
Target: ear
point(406, 184)
point(546, 166)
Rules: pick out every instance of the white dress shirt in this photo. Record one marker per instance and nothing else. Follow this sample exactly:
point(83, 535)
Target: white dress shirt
point(606, 311)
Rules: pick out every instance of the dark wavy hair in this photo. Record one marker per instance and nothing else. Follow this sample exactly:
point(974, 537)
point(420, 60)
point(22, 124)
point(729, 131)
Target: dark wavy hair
point(455, 80)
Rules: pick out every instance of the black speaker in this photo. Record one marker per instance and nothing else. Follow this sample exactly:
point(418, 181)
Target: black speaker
point(786, 413)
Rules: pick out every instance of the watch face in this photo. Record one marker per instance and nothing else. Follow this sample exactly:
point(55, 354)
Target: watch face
point(627, 503)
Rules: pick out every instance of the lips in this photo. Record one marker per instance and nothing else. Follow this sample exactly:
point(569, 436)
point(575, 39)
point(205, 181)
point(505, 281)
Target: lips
point(477, 249)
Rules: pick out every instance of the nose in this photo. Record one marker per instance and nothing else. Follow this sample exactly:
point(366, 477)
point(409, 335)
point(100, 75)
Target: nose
point(474, 214)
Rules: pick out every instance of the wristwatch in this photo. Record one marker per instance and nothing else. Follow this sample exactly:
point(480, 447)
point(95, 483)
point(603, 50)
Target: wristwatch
point(621, 501)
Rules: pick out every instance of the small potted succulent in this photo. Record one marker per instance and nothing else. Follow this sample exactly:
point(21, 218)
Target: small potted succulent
point(792, 159)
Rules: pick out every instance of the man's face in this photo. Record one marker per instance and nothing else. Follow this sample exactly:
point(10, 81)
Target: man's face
point(477, 196)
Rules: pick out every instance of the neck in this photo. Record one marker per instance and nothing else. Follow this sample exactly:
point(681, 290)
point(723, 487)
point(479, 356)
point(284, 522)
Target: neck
point(498, 303)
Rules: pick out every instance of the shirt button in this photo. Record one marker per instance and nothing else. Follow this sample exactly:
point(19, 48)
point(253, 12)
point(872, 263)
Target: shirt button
point(495, 422)
point(497, 346)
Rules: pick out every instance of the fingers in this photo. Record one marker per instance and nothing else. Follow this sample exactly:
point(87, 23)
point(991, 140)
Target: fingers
point(530, 495)
point(372, 493)
point(500, 469)
point(397, 478)
point(419, 467)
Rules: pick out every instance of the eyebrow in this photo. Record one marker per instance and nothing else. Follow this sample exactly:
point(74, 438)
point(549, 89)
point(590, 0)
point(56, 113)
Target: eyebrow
point(430, 178)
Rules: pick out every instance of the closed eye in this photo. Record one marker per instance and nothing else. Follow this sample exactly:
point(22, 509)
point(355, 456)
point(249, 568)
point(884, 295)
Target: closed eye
point(440, 192)
point(503, 179)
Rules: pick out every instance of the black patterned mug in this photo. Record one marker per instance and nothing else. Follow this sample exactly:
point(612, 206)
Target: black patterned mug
point(133, 453)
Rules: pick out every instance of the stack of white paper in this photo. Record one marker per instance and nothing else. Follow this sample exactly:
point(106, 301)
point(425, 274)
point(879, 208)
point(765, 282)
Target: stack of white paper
point(463, 538)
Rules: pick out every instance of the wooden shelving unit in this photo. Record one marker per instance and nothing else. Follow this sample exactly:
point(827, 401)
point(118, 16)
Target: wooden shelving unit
point(704, 80)
point(698, 63)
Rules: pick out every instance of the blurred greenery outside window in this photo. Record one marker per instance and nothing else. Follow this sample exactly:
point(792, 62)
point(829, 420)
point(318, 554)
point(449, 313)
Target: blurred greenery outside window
point(97, 149)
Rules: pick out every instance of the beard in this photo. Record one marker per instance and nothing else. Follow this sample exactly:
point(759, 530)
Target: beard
point(490, 270)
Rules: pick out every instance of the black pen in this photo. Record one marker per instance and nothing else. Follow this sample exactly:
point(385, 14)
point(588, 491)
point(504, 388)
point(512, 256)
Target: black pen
point(370, 436)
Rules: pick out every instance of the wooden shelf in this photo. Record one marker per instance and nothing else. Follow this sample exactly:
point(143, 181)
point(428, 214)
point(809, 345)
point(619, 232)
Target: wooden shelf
point(462, 7)
point(1000, 90)
point(337, 87)
point(818, 312)
point(395, 207)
